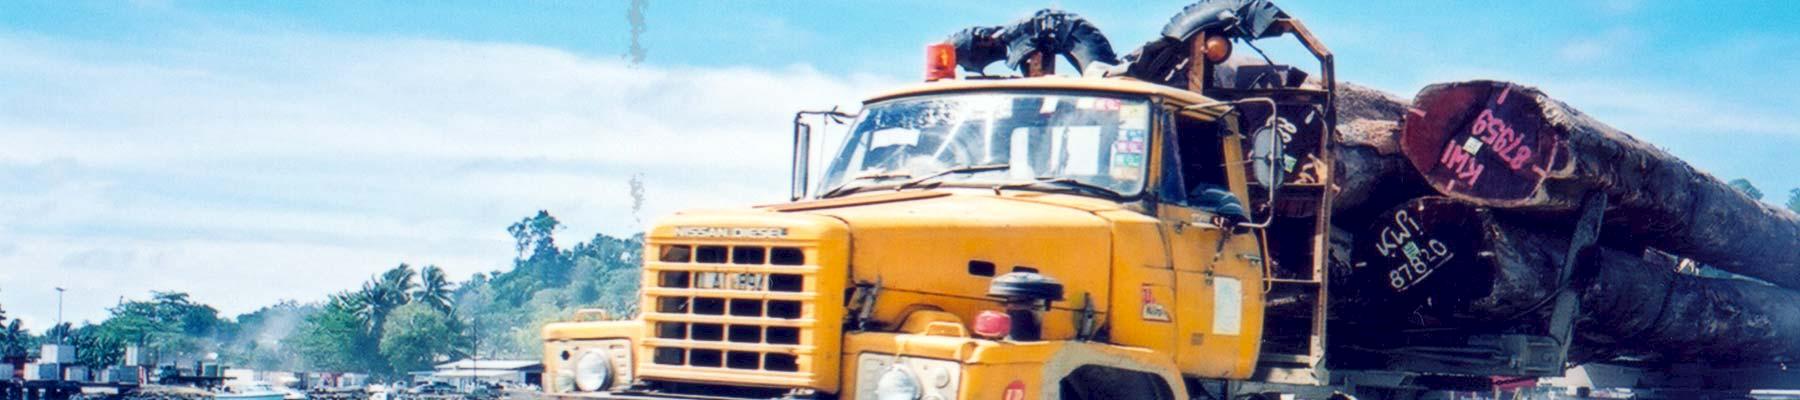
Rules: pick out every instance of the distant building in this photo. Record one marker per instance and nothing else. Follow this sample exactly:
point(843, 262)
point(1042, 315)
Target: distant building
point(465, 373)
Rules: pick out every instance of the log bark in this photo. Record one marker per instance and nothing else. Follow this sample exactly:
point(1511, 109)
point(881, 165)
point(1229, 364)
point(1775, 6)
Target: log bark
point(1370, 175)
point(1505, 145)
point(1452, 264)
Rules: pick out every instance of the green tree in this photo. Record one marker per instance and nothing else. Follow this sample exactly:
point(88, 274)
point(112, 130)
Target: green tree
point(335, 338)
point(434, 289)
point(1743, 185)
point(380, 295)
point(169, 323)
point(58, 333)
point(93, 349)
point(15, 343)
point(534, 236)
point(418, 335)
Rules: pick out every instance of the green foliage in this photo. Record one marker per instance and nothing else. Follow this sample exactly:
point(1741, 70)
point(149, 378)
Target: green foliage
point(335, 338)
point(434, 289)
point(399, 320)
point(94, 349)
point(15, 343)
point(384, 293)
point(169, 323)
point(534, 235)
point(416, 336)
point(1743, 185)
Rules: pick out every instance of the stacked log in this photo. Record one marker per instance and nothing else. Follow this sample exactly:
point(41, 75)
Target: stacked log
point(1461, 265)
point(1370, 174)
point(1510, 146)
point(1461, 216)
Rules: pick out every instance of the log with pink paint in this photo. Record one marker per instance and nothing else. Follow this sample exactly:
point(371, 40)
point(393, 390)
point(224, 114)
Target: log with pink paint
point(1505, 145)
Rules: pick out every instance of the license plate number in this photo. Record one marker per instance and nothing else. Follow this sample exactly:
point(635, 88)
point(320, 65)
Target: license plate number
point(729, 280)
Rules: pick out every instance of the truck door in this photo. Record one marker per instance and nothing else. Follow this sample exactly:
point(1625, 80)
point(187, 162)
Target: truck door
point(1218, 304)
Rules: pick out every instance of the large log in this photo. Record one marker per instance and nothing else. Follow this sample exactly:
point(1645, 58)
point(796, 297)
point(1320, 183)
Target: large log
point(1370, 173)
point(1454, 265)
point(1505, 145)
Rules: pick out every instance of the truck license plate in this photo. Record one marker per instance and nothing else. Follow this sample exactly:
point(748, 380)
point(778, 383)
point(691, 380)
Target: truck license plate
point(729, 280)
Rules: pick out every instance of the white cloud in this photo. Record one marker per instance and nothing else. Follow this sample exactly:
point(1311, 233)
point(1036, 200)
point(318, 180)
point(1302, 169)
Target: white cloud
point(1614, 42)
point(251, 168)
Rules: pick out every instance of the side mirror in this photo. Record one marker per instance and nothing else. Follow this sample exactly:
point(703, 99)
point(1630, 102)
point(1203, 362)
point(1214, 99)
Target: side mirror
point(1268, 159)
point(802, 145)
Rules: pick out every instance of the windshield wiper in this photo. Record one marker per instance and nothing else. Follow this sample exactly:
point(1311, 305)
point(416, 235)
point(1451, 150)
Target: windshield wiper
point(1068, 182)
point(958, 170)
point(844, 188)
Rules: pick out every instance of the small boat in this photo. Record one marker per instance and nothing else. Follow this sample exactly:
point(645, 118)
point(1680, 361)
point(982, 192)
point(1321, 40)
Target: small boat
point(255, 391)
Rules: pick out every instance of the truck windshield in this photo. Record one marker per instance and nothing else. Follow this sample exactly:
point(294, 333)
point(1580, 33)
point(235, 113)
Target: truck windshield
point(1050, 140)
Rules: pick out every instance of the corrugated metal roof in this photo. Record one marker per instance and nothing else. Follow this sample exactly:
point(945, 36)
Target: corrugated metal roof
point(469, 373)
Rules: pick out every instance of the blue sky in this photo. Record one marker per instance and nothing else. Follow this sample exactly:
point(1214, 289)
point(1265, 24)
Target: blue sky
point(254, 151)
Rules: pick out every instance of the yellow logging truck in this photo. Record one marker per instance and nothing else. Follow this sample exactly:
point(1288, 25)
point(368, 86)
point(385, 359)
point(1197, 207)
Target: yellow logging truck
point(1107, 234)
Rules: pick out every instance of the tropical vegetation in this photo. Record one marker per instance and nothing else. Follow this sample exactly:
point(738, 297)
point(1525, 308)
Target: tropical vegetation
point(400, 320)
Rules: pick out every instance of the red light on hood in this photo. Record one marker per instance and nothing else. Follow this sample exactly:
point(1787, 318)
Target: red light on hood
point(993, 324)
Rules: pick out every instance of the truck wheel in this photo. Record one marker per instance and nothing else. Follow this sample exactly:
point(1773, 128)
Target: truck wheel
point(1093, 382)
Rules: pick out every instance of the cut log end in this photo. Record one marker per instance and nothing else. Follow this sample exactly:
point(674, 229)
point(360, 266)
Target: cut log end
point(1425, 251)
point(1482, 141)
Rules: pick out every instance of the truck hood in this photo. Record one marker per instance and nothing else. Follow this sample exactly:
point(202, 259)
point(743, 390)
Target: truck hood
point(951, 243)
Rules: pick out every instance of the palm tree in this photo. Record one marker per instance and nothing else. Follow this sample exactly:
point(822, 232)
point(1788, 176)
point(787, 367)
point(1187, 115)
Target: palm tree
point(434, 289)
point(12, 342)
point(383, 293)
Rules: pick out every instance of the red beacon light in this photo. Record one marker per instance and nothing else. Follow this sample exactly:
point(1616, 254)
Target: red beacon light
point(992, 324)
point(940, 62)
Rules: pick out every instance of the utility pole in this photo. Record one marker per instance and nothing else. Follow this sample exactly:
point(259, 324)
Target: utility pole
point(475, 352)
point(474, 339)
point(59, 316)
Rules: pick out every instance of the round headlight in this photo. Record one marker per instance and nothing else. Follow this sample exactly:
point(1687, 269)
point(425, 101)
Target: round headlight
point(593, 371)
point(897, 384)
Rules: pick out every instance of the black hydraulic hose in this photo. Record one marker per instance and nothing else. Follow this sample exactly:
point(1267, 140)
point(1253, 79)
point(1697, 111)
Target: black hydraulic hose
point(1050, 32)
point(1159, 59)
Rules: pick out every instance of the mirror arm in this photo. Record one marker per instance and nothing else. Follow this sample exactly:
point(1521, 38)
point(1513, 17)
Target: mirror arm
point(801, 172)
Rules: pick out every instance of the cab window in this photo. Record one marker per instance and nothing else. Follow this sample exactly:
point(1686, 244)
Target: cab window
point(1196, 161)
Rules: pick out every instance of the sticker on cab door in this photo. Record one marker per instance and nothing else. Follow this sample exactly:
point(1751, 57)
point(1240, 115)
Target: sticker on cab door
point(1153, 310)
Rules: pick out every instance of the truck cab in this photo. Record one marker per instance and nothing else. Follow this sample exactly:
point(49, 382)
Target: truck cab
point(1039, 237)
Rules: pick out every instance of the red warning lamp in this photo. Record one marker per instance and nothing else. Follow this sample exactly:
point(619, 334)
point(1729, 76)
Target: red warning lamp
point(992, 324)
point(940, 62)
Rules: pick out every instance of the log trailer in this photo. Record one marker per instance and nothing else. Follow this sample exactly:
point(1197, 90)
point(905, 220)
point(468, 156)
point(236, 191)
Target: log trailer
point(1158, 226)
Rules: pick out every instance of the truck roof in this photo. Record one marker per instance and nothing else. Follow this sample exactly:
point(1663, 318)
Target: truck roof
point(1116, 84)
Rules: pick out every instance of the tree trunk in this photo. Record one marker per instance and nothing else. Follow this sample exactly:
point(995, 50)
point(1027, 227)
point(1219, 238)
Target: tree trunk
point(1505, 145)
point(1447, 264)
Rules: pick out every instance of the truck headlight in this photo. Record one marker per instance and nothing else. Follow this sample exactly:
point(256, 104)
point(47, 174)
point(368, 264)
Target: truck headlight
point(897, 384)
point(593, 371)
point(886, 377)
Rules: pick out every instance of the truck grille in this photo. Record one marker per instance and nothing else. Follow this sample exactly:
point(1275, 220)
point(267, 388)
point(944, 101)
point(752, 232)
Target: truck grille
point(738, 313)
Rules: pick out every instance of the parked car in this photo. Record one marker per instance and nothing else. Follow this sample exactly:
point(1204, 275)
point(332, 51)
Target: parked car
point(432, 388)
